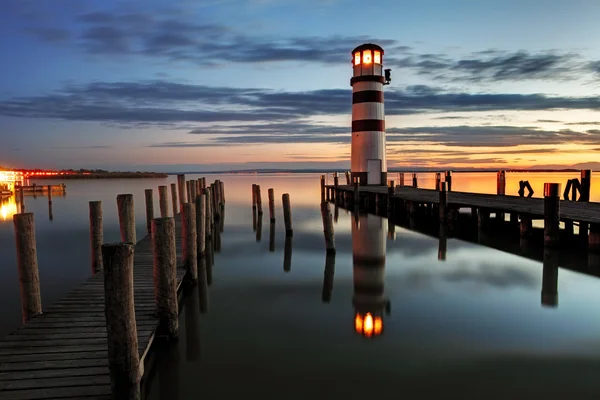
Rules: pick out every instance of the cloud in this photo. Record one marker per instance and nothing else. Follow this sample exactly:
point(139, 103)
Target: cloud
point(49, 35)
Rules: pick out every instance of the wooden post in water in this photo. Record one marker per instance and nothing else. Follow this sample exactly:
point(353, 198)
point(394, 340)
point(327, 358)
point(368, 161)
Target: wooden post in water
point(259, 228)
point(208, 224)
point(501, 183)
point(222, 191)
point(401, 178)
point(442, 241)
point(328, 228)
point(287, 214)
point(121, 328)
point(322, 188)
point(192, 192)
point(551, 214)
point(201, 225)
point(96, 235)
point(50, 214)
point(443, 205)
point(165, 278)
point(187, 193)
point(438, 180)
point(258, 200)
point(27, 263)
point(182, 191)
point(448, 180)
point(271, 193)
point(174, 198)
point(149, 208)
point(190, 241)
point(21, 200)
point(253, 196)
point(126, 218)
point(163, 201)
point(414, 180)
point(336, 183)
point(347, 178)
point(586, 185)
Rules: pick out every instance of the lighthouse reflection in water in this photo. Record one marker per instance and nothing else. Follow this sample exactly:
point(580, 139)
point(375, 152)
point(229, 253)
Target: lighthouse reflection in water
point(368, 256)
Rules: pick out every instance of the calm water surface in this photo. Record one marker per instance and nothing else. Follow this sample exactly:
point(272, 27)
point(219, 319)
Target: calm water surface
point(472, 326)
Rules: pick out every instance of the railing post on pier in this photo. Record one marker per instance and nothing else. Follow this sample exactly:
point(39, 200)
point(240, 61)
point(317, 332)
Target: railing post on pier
point(163, 201)
point(443, 205)
point(21, 200)
point(414, 180)
point(165, 275)
point(448, 180)
point(438, 180)
point(126, 217)
point(121, 328)
point(336, 184)
point(390, 199)
point(328, 228)
point(149, 208)
point(271, 193)
point(174, 198)
point(287, 214)
point(182, 191)
point(190, 241)
point(96, 235)
point(29, 276)
point(586, 185)
point(551, 214)
point(347, 173)
point(258, 200)
point(201, 224)
point(322, 188)
point(400, 178)
point(501, 183)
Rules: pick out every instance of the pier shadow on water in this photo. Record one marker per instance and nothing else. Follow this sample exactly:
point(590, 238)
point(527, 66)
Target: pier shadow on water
point(395, 312)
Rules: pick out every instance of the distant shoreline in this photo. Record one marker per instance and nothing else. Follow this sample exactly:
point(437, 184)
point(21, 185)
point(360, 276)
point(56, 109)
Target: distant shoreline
point(103, 175)
point(325, 171)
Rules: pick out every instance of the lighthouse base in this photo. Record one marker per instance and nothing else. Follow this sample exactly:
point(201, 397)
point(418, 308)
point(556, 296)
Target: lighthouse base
point(363, 179)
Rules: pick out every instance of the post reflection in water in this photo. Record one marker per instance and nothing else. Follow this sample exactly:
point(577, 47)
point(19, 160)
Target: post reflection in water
point(209, 261)
point(203, 284)
point(168, 373)
point(443, 242)
point(8, 207)
point(550, 278)
point(391, 227)
point(192, 325)
point(287, 254)
point(336, 213)
point(328, 278)
point(222, 220)
point(259, 228)
point(272, 236)
point(253, 220)
point(217, 236)
point(368, 256)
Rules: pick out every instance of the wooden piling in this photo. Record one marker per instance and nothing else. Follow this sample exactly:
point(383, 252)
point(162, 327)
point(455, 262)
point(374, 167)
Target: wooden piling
point(96, 235)
point(526, 226)
point(192, 192)
point(443, 204)
point(271, 193)
point(222, 191)
point(174, 198)
point(190, 241)
point(149, 209)
point(121, 327)
point(126, 218)
point(287, 214)
point(258, 200)
point(448, 180)
point(356, 195)
point(188, 193)
point(253, 196)
point(328, 228)
point(163, 201)
point(165, 282)
point(585, 190)
point(551, 214)
point(322, 188)
point(182, 190)
point(438, 180)
point(27, 264)
point(347, 178)
point(401, 178)
point(414, 180)
point(201, 225)
point(501, 183)
point(209, 215)
point(442, 241)
point(21, 200)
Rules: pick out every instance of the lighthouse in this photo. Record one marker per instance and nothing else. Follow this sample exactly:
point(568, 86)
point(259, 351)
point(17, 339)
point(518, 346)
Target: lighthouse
point(368, 271)
point(368, 158)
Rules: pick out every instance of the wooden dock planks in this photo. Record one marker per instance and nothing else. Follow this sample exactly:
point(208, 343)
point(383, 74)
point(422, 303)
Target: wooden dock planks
point(534, 207)
point(62, 353)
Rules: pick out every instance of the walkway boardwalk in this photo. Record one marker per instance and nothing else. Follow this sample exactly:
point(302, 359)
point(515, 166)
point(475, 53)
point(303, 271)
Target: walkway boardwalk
point(533, 207)
point(62, 353)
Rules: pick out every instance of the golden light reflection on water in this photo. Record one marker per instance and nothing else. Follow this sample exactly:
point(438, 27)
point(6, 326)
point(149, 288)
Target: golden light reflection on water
point(368, 325)
point(8, 208)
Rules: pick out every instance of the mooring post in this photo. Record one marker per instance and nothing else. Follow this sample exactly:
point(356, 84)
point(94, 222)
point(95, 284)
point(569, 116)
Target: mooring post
point(550, 277)
point(201, 224)
point(126, 218)
point(96, 235)
point(174, 198)
point(414, 180)
point(121, 327)
point(287, 214)
point(49, 187)
point(390, 198)
point(163, 201)
point(551, 214)
point(271, 193)
point(182, 191)
point(448, 180)
point(27, 263)
point(21, 199)
point(322, 188)
point(328, 228)
point(443, 205)
point(258, 200)
point(192, 192)
point(149, 208)
point(165, 275)
point(253, 196)
point(190, 241)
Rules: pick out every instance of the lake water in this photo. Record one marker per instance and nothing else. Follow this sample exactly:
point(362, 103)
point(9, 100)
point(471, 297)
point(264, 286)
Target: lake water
point(470, 326)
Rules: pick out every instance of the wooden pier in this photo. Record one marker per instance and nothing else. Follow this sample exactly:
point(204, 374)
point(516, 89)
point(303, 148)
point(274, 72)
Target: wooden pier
point(83, 346)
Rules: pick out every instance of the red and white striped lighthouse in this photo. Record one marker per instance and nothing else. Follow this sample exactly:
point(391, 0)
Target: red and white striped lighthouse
point(368, 159)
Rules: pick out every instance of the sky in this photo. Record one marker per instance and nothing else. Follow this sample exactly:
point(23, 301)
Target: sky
point(241, 84)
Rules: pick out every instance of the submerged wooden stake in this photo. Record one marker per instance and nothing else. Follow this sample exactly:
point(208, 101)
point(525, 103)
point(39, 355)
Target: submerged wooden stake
point(287, 214)
point(271, 193)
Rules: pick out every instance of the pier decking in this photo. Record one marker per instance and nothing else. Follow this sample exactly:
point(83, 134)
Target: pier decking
point(63, 353)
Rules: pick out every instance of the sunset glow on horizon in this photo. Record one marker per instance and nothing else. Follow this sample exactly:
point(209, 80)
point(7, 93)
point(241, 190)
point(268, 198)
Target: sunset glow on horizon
point(168, 86)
